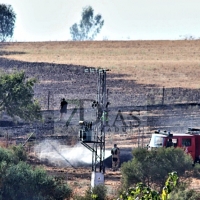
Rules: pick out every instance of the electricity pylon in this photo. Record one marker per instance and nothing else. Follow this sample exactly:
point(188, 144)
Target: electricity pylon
point(92, 134)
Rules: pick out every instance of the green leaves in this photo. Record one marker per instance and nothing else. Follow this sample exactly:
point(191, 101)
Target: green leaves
point(97, 192)
point(147, 172)
point(17, 96)
point(142, 192)
point(19, 180)
point(7, 22)
point(88, 27)
point(150, 167)
point(170, 184)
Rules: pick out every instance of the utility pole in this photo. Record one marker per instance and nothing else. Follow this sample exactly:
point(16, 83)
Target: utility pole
point(92, 134)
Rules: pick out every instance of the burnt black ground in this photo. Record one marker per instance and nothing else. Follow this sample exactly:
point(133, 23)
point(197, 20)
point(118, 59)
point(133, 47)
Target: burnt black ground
point(70, 81)
point(177, 110)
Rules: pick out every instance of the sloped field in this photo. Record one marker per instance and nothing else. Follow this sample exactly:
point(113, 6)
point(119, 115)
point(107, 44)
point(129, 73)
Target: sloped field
point(152, 85)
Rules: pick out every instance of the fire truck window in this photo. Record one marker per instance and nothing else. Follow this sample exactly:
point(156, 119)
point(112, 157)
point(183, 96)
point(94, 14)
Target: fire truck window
point(175, 141)
point(158, 141)
point(186, 142)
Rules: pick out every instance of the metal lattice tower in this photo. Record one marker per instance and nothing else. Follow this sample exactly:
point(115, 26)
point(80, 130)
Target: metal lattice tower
point(96, 132)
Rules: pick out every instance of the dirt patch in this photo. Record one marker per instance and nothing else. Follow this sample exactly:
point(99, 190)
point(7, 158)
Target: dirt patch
point(79, 178)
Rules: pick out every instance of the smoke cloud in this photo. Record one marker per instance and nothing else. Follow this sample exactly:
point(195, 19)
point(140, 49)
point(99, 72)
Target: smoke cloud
point(51, 151)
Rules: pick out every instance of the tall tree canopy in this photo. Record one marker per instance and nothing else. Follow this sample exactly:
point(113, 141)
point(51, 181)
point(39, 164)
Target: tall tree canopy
point(7, 22)
point(16, 96)
point(88, 27)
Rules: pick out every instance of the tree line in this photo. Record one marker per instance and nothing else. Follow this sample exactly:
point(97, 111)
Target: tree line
point(87, 29)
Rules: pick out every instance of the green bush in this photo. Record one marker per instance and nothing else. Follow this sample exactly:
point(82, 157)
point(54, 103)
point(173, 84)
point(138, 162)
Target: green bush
point(152, 167)
point(98, 192)
point(13, 154)
point(196, 171)
point(173, 190)
point(182, 192)
point(141, 191)
point(19, 180)
point(7, 155)
point(19, 152)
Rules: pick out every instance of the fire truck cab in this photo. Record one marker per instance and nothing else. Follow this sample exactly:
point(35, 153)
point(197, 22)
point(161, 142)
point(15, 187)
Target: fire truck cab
point(189, 141)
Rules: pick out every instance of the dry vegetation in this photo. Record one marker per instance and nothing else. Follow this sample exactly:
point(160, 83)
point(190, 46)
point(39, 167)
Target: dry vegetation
point(163, 63)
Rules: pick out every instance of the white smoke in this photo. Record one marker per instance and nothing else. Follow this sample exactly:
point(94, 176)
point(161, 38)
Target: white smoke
point(53, 152)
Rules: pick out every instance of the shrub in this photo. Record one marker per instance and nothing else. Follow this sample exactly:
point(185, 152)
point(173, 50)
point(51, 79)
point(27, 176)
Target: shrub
point(98, 192)
point(152, 167)
point(22, 182)
point(19, 152)
point(182, 192)
point(196, 171)
point(6, 155)
point(173, 190)
point(19, 180)
point(141, 191)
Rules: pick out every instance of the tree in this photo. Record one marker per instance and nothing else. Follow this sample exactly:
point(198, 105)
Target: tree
point(16, 96)
point(89, 26)
point(7, 22)
point(150, 167)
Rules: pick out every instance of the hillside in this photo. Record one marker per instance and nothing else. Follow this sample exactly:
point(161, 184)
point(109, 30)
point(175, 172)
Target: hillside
point(160, 63)
point(155, 82)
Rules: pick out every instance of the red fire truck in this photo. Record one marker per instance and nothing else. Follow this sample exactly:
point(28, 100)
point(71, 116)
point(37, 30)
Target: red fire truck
point(189, 141)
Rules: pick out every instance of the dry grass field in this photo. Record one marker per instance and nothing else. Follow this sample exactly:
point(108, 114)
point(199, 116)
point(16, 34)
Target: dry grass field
point(160, 63)
point(169, 64)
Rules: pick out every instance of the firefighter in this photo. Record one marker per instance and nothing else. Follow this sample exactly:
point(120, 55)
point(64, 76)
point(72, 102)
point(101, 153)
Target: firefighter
point(115, 157)
point(63, 108)
point(170, 143)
